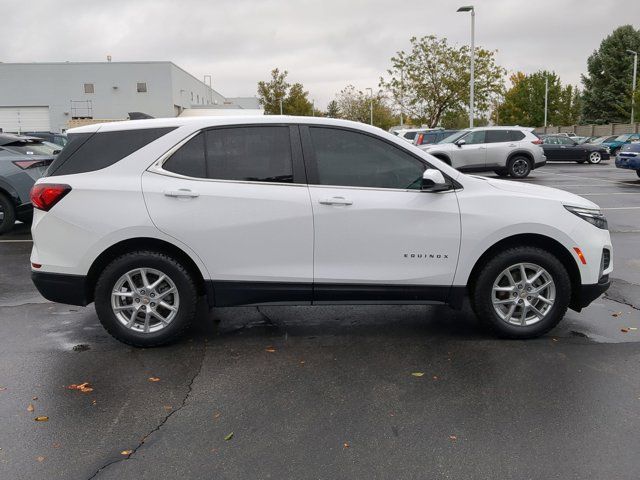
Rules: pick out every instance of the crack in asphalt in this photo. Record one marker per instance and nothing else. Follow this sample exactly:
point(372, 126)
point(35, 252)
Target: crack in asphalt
point(162, 422)
point(621, 301)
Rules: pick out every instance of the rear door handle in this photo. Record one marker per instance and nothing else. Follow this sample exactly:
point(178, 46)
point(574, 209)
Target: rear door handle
point(181, 193)
point(336, 201)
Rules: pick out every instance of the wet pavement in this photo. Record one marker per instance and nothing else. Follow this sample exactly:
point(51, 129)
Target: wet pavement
point(330, 392)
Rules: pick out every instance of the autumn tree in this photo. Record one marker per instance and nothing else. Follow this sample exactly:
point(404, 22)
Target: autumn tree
point(432, 79)
point(523, 102)
point(274, 91)
point(607, 85)
point(354, 104)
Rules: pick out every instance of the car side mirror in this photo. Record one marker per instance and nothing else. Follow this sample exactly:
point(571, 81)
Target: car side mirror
point(434, 181)
point(461, 142)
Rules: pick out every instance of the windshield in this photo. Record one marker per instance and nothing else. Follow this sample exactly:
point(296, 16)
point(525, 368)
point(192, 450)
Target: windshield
point(623, 138)
point(454, 136)
point(34, 148)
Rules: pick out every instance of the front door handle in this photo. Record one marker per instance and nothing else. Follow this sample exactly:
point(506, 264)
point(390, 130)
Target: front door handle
point(336, 201)
point(181, 193)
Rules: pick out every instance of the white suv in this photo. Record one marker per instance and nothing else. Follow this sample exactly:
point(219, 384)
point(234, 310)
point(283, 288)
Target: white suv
point(511, 151)
point(143, 217)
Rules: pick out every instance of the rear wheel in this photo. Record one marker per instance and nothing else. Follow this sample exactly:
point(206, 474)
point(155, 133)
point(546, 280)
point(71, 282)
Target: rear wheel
point(7, 214)
point(501, 172)
point(519, 167)
point(146, 298)
point(595, 158)
point(522, 292)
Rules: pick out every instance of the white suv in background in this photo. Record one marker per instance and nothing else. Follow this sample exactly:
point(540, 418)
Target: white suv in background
point(143, 217)
point(511, 151)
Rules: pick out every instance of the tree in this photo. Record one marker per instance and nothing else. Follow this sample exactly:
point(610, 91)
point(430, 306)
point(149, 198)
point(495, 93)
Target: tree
point(353, 104)
point(607, 85)
point(297, 102)
point(332, 109)
point(433, 79)
point(523, 102)
point(271, 93)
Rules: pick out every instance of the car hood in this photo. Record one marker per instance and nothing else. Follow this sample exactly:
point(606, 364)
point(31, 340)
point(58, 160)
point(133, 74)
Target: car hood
point(538, 191)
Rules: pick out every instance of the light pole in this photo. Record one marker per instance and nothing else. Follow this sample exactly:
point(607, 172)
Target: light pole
point(370, 105)
point(469, 8)
point(546, 100)
point(633, 82)
point(280, 106)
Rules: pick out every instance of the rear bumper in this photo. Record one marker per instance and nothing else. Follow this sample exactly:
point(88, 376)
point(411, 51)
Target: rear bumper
point(588, 293)
point(631, 163)
point(61, 288)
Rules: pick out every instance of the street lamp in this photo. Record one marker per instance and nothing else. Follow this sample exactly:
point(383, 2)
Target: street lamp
point(469, 8)
point(546, 100)
point(633, 82)
point(370, 105)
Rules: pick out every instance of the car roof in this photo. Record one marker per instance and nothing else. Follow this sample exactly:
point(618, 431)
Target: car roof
point(8, 138)
point(501, 127)
point(212, 121)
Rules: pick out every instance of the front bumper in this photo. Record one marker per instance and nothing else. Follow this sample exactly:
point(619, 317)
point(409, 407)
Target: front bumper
point(588, 293)
point(61, 288)
point(631, 163)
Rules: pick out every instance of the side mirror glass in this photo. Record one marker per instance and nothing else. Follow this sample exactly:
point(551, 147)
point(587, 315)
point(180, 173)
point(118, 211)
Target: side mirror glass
point(461, 142)
point(434, 181)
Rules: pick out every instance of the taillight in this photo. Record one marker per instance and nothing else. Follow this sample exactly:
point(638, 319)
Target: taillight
point(537, 142)
point(45, 195)
point(27, 164)
point(419, 141)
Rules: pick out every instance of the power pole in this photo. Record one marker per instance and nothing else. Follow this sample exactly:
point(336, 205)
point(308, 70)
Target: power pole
point(546, 100)
point(633, 82)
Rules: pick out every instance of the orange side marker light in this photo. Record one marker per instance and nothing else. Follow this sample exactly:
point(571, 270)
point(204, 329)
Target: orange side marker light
point(580, 255)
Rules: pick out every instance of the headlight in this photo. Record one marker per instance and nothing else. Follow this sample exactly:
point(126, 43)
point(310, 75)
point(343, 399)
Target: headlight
point(593, 216)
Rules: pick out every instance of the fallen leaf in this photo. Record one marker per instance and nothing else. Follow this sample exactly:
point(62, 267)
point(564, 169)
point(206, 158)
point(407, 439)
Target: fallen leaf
point(2, 389)
point(217, 415)
point(168, 408)
point(633, 328)
point(301, 362)
point(346, 445)
point(453, 437)
point(126, 453)
point(34, 398)
point(30, 408)
point(93, 402)
point(417, 374)
point(617, 314)
point(554, 339)
point(82, 387)
point(56, 445)
point(270, 349)
point(228, 437)
point(40, 458)
point(624, 330)
point(42, 418)
point(435, 377)
point(153, 379)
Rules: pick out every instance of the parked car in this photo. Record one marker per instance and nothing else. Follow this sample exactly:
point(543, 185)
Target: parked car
point(511, 151)
point(615, 144)
point(629, 157)
point(57, 138)
point(600, 140)
point(429, 137)
point(407, 134)
point(144, 217)
point(22, 161)
point(561, 148)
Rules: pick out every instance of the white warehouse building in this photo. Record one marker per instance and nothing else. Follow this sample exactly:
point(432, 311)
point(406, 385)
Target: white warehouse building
point(57, 96)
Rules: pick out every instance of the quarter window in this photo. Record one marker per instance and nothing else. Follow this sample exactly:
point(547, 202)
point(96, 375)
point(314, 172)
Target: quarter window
point(189, 159)
point(354, 159)
point(260, 154)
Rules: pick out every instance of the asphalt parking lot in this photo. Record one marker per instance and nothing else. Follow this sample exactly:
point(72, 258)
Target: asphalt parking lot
point(330, 392)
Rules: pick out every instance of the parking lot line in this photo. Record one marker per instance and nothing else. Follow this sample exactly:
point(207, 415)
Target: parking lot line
point(15, 241)
point(616, 182)
point(610, 193)
point(621, 208)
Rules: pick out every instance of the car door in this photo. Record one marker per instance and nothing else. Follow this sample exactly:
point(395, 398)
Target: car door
point(237, 196)
point(499, 144)
point(471, 154)
point(378, 237)
point(552, 148)
point(570, 150)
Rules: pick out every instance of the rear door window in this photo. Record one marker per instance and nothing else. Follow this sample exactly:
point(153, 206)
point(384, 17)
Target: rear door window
point(497, 136)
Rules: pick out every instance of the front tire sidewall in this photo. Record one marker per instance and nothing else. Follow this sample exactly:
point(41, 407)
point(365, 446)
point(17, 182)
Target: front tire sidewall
point(184, 284)
point(482, 291)
point(9, 214)
point(513, 173)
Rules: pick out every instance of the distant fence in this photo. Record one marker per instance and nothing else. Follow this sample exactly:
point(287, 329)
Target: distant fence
point(593, 130)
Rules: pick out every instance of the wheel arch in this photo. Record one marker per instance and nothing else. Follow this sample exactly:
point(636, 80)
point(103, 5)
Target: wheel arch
point(533, 240)
point(443, 157)
point(144, 243)
point(521, 153)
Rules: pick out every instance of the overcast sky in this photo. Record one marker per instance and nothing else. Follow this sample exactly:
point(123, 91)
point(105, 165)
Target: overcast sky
point(325, 44)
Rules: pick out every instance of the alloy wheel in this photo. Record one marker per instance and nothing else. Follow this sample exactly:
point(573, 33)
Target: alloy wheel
point(520, 167)
point(523, 294)
point(145, 300)
point(595, 157)
point(1, 213)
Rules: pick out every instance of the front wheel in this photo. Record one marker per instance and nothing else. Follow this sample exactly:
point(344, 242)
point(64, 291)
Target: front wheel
point(7, 214)
point(146, 298)
point(595, 158)
point(519, 167)
point(522, 292)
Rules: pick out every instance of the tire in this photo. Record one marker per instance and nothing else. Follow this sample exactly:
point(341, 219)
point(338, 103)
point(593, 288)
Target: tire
point(594, 158)
point(638, 173)
point(534, 258)
point(7, 214)
point(177, 279)
point(501, 173)
point(519, 167)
